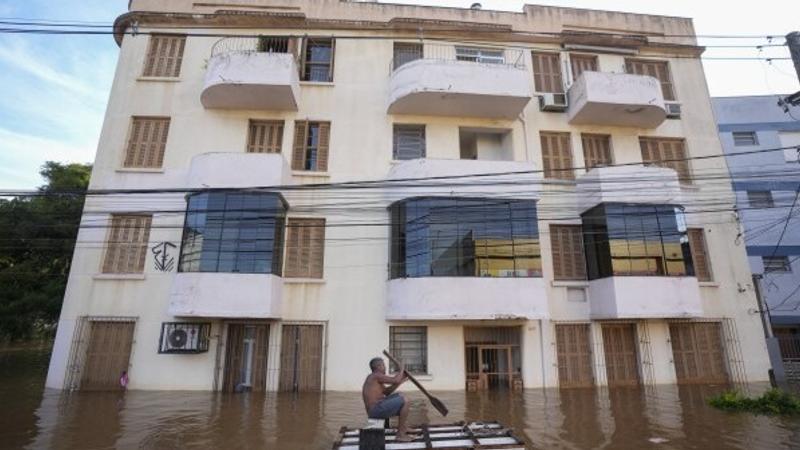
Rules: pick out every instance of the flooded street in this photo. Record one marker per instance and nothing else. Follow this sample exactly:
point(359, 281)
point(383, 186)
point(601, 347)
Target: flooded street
point(664, 418)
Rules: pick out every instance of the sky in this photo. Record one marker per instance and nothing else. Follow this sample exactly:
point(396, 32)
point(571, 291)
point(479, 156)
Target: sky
point(56, 87)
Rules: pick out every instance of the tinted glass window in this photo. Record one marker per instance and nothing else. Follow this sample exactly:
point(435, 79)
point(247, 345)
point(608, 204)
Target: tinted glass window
point(233, 232)
point(465, 237)
point(635, 240)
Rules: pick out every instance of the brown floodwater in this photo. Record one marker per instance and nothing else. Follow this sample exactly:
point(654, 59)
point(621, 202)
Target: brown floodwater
point(666, 417)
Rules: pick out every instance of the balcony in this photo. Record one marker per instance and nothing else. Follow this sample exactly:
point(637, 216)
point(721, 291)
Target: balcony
point(628, 184)
point(446, 80)
point(466, 298)
point(252, 73)
point(226, 295)
point(629, 297)
point(616, 99)
point(237, 170)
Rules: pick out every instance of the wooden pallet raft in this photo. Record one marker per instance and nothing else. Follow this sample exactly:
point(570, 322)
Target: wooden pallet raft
point(456, 436)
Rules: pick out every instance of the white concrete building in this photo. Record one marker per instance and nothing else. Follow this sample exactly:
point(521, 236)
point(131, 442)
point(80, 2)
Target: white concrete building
point(504, 200)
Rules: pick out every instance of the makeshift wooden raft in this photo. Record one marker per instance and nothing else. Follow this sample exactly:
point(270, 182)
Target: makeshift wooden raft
point(459, 436)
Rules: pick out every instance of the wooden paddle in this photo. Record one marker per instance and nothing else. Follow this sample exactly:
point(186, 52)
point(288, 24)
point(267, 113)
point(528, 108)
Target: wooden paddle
point(434, 401)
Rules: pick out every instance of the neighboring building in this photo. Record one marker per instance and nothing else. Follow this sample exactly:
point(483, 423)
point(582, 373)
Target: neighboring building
point(766, 184)
point(481, 252)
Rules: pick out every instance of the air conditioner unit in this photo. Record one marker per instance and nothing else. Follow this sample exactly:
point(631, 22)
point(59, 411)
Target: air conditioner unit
point(184, 337)
point(553, 102)
point(673, 110)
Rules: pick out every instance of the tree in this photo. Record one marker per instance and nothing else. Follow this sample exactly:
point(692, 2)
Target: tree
point(37, 238)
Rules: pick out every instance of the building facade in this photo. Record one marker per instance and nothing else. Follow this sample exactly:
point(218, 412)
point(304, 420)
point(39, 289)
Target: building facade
point(503, 200)
point(765, 181)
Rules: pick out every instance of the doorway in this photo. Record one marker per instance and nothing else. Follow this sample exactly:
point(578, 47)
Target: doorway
point(301, 358)
point(108, 354)
point(246, 358)
point(698, 352)
point(622, 361)
point(493, 358)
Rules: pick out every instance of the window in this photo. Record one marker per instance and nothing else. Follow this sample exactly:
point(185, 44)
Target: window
point(264, 136)
point(233, 232)
point(410, 345)
point(635, 240)
point(567, 249)
point(408, 142)
point(655, 69)
point(480, 55)
point(164, 56)
point(776, 264)
point(557, 155)
point(582, 63)
point(311, 146)
point(701, 265)
point(463, 237)
point(146, 142)
point(126, 247)
point(405, 52)
point(305, 248)
point(760, 199)
point(668, 153)
point(317, 62)
point(790, 141)
point(276, 44)
point(596, 150)
point(744, 138)
point(547, 72)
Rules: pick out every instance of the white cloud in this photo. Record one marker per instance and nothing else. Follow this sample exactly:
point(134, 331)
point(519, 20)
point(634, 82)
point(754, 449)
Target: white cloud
point(21, 156)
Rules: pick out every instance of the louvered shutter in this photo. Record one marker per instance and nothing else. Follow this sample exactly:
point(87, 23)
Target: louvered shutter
point(126, 248)
point(596, 150)
point(264, 136)
point(697, 244)
point(147, 142)
point(557, 155)
point(568, 257)
point(666, 152)
point(322, 146)
point(305, 248)
point(300, 144)
point(547, 72)
point(656, 69)
point(582, 63)
point(164, 56)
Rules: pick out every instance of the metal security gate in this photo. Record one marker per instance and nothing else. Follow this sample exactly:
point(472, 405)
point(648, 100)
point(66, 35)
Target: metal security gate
point(108, 354)
point(574, 355)
point(301, 358)
point(622, 362)
point(246, 358)
point(698, 352)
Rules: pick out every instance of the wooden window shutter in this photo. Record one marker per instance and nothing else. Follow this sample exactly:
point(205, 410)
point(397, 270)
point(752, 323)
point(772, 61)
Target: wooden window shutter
point(582, 63)
point(264, 136)
point(305, 248)
point(655, 69)
point(666, 152)
point(126, 248)
point(596, 150)
point(300, 143)
point(146, 142)
point(697, 244)
point(547, 72)
point(557, 155)
point(323, 146)
point(164, 56)
point(569, 262)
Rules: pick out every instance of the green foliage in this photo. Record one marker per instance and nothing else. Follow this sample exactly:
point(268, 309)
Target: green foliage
point(773, 402)
point(38, 238)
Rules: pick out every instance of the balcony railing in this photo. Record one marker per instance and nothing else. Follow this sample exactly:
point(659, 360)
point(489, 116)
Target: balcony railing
point(257, 44)
point(406, 53)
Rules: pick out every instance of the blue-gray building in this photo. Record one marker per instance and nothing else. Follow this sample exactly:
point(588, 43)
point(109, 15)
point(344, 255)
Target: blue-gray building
point(766, 184)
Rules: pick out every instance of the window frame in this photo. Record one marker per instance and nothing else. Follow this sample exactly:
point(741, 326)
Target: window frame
point(553, 76)
point(396, 136)
point(110, 266)
point(745, 134)
point(306, 61)
point(699, 234)
point(155, 45)
point(569, 255)
point(321, 156)
point(786, 264)
point(414, 50)
point(277, 139)
point(559, 166)
point(594, 137)
point(595, 63)
point(480, 55)
point(398, 352)
point(681, 165)
point(133, 149)
point(289, 270)
point(767, 202)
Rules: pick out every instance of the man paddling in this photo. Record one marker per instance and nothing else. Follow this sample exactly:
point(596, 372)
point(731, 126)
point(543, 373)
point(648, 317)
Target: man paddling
point(380, 400)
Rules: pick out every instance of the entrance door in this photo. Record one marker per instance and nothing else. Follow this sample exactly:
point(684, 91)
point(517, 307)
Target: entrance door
point(301, 358)
point(698, 353)
point(246, 358)
point(574, 355)
point(107, 355)
point(619, 343)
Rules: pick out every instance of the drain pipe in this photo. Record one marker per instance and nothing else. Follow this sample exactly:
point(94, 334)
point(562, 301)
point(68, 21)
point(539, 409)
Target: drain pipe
point(541, 352)
point(521, 118)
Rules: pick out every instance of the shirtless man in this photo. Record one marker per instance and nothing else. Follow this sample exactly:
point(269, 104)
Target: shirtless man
point(379, 400)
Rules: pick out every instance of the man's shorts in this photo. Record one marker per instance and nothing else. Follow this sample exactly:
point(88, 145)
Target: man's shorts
point(388, 407)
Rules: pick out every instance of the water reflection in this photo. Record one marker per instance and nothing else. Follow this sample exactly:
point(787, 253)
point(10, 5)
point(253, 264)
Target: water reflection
point(666, 417)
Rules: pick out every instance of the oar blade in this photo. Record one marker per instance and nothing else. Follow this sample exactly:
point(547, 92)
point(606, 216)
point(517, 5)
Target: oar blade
point(439, 405)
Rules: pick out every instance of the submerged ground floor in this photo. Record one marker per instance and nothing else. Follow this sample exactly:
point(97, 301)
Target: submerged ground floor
point(91, 353)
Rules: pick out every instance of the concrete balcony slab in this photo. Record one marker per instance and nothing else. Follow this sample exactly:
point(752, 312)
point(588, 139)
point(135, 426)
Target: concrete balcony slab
point(616, 99)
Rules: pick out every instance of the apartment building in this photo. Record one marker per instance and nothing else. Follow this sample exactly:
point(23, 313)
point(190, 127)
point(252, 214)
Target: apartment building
point(765, 180)
point(504, 200)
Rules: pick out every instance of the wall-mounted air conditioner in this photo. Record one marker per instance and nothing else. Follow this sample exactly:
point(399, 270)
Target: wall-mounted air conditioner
point(673, 110)
point(184, 337)
point(553, 102)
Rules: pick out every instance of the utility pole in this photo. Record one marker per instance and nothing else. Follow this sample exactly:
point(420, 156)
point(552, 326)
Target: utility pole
point(773, 346)
point(793, 42)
